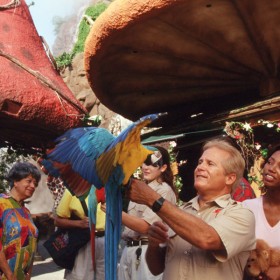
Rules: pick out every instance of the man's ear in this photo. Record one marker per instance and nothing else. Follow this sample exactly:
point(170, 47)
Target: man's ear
point(230, 179)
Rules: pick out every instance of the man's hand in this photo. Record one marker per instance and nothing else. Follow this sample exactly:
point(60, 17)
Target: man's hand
point(155, 255)
point(141, 193)
point(157, 234)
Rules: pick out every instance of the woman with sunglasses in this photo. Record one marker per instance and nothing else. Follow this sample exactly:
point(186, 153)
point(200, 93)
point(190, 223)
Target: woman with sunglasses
point(156, 171)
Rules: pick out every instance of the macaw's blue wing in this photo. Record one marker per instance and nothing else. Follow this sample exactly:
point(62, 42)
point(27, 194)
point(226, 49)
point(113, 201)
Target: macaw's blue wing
point(74, 158)
point(114, 168)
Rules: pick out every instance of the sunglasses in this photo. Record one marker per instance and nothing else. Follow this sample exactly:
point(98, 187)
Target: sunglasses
point(154, 160)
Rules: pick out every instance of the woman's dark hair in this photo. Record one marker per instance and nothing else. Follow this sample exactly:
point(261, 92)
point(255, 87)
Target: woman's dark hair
point(167, 176)
point(21, 170)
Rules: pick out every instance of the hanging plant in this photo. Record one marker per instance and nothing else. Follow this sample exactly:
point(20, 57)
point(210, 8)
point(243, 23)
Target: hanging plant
point(269, 124)
point(178, 182)
point(243, 134)
point(8, 156)
point(252, 151)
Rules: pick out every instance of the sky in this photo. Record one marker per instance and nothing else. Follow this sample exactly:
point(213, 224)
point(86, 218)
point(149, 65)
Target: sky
point(43, 12)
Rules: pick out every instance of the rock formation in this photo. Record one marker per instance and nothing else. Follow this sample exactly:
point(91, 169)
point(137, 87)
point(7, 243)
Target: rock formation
point(74, 76)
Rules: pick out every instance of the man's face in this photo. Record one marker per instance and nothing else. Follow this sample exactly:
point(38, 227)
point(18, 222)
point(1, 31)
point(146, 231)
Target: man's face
point(209, 175)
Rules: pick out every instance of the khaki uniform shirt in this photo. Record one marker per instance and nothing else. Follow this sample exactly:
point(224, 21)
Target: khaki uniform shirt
point(236, 228)
point(144, 212)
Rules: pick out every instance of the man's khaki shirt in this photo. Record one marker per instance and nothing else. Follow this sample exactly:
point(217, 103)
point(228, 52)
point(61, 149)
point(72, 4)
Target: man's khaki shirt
point(236, 228)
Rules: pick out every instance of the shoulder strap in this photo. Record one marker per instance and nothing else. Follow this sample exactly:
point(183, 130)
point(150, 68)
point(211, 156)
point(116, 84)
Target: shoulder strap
point(84, 205)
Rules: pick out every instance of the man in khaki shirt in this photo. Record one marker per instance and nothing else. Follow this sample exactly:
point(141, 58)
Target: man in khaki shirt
point(214, 234)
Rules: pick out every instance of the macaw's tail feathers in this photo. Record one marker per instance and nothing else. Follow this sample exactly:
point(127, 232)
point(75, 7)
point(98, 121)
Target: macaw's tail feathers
point(95, 196)
point(92, 206)
point(92, 244)
point(113, 226)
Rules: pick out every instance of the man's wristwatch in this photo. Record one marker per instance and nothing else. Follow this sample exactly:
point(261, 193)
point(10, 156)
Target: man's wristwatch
point(158, 204)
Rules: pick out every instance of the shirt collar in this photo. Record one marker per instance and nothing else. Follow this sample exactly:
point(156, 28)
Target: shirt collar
point(154, 184)
point(221, 201)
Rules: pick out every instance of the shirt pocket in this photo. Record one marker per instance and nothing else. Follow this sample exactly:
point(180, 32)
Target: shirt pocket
point(177, 248)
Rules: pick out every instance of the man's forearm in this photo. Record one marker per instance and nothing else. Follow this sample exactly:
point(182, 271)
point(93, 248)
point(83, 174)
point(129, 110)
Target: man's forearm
point(67, 223)
point(190, 228)
point(155, 257)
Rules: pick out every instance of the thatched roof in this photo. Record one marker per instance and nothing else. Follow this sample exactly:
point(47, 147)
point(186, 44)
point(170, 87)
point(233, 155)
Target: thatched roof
point(35, 104)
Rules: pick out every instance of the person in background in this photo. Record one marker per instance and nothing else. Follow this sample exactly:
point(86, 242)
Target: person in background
point(18, 233)
point(157, 173)
point(266, 208)
point(214, 233)
point(68, 206)
point(243, 191)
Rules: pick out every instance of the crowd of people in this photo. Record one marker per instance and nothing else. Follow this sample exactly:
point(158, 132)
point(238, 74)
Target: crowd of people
point(211, 235)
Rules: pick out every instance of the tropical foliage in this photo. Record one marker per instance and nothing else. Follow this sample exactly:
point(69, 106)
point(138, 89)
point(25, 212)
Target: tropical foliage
point(8, 156)
point(252, 151)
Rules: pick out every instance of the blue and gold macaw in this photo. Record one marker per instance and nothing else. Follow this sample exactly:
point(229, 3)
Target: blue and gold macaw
point(90, 157)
